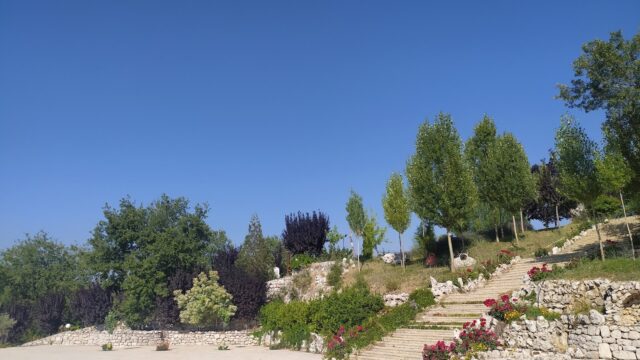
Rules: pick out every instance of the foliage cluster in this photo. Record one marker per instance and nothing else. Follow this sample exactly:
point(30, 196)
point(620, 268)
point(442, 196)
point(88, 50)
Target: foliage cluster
point(297, 319)
point(305, 233)
point(206, 303)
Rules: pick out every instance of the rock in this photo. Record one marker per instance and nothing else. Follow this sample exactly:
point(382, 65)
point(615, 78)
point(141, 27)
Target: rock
point(624, 355)
point(389, 258)
point(393, 300)
point(555, 250)
point(276, 272)
point(463, 261)
point(596, 318)
point(604, 331)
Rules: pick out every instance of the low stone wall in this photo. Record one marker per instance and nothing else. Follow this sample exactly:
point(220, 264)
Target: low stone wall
point(127, 338)
point(614, 334)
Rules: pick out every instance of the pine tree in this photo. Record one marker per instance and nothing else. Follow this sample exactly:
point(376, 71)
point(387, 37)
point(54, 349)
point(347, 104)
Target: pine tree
point(396, 208)
point(440, 181)
point(255, 255)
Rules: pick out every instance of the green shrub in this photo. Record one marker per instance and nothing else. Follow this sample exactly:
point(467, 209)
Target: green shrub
point(334, 278)
point(206, 303)
point(371, 330)
point(422, 297)
point(107, 347)
point(110, 322)
point(300, 261)
point(291, 319)
point(540, 252)
point(349, 308)
point(296, 320)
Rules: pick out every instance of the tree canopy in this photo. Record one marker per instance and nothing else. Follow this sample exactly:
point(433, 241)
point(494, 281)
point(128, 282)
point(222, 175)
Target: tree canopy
point(607, 77)
point(397, 212)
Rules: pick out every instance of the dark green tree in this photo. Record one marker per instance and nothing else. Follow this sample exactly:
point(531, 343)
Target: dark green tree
point(440, 181)
point(607, 77)
point(549, 205)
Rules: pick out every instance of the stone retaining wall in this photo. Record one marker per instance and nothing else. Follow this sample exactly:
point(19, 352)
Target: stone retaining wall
point(614, 334)
point(127, 338)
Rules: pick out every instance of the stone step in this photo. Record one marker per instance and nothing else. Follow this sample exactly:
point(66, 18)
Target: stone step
point(395, 352)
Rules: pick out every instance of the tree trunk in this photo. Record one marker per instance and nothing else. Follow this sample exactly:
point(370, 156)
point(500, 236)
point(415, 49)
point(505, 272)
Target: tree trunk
point(521, 222)
point(515, 229)
point(501, 231)
point(595, 219)
point(496, 229)
point(557, 217)
point(450, 249)
point(624, 211)
point(401, 251)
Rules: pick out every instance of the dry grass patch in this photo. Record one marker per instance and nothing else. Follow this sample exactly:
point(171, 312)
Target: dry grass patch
point(383, 277)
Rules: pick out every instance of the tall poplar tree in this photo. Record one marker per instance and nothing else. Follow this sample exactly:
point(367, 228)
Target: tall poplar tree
point(576, 165)
point(397, 212)
point(440, 181)
point(614, 174)
point(476, 151)
point(356, 218)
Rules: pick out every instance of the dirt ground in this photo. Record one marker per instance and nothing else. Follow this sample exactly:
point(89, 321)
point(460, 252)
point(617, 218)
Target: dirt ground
point(148, 352)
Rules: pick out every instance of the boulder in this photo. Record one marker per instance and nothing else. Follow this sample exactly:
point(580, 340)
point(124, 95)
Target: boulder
point(463, 261)
point(389, 258)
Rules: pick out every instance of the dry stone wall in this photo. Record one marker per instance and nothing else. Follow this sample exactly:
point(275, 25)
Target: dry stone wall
point(607, 328)
point(128, 338)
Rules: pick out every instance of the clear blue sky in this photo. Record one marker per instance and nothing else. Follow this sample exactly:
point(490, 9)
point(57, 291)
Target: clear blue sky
point(264, 107)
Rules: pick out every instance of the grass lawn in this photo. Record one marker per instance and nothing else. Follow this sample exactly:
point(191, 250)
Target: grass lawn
point(483, 248)
point(618, 269)
point(383, 278)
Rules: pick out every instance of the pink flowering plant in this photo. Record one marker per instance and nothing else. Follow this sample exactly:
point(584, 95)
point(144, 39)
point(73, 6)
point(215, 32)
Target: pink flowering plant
point(538, 273)
point(476, 336)
point(337, 343)
point(505, 308)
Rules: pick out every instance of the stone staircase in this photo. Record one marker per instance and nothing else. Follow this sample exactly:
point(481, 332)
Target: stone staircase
point(438, 322)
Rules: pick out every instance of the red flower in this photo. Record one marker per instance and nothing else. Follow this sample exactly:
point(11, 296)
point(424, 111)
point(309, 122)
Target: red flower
point(489, 302)
point(359, 327)
point(504, 298)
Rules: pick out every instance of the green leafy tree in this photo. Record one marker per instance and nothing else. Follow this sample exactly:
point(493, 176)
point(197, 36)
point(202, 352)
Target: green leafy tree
point(35, 267)
point(397, 211)
point(510, 184)
point(356, 218)
point(607, 77)
point(614, 175)
point(207, 303)
point(135, 250)
point(440, 181)
point(372, 236)
point(577, 166)
point(476, 151)
point(549, 204)
point(256, 257)
point(333, 237)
